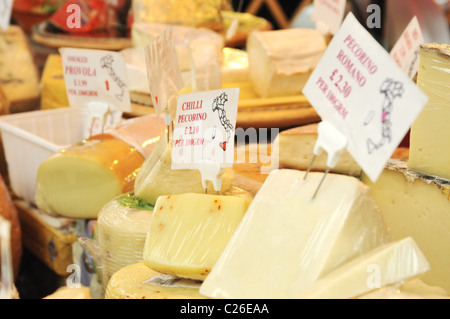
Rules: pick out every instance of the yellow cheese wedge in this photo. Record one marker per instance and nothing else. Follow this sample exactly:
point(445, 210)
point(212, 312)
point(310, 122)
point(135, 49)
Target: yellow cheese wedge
point(53, 94)
point(296, 148)
point(417, 205)
point(287, 240)
point(281, 61)
point(122, 227)
point(188, 232)
point(79, 181)
point(430, 134)
point(135, 282)
point(385, 265)
point(157, 178)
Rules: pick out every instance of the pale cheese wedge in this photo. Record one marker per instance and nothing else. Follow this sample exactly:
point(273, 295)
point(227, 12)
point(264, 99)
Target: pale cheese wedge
point(418, 206)
point(385, 265)
point(157, 178)
point(295, 150)
point(79, 181)
point(287, 240)
point(430, 134)
point(281, 61)
point(138, 281)
point(188, 232)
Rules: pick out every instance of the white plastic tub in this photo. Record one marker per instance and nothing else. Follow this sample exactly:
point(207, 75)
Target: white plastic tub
point(31, 137)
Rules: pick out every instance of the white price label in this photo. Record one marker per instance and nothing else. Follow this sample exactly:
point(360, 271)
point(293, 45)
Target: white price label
point(406, 50)
point(5, 13)
point(96, 76)
point(328, 15)
point(204, 129)
point(359, 89)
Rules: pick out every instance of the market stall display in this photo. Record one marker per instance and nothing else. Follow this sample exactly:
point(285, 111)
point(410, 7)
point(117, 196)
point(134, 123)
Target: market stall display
point(114, 207)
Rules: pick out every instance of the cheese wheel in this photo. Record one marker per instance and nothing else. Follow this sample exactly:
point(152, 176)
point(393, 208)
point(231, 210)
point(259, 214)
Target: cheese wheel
point(121, 232)
point(134, 282)
point(79, 181)
point(9, 212)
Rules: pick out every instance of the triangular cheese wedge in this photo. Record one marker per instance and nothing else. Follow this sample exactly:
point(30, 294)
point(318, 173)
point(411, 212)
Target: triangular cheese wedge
point(287, 240)
point(385, 265)
point(157, 178)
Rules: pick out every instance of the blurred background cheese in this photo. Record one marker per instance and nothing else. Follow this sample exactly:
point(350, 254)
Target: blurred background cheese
point(296, 146)
point(417, 205)
point(430, 134)
point(385, 265)
point(286, 241)
point(53, 87)
point(79, 181)
point(188, 232)
point(157, 178)
point(134, 282)
point(281, 61)
point(19, 77)
point(122, 227)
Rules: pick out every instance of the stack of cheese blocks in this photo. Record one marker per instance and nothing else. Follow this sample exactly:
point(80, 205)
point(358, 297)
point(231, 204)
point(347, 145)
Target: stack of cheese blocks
point(414, 195)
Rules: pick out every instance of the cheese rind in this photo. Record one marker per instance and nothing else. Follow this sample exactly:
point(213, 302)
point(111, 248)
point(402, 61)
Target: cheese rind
point(296, 148)
point(135, 282)
point(385, 265)
point(417, 205)
point(281, 61)
point(429, 141)
point(286, 241)
point(79, 181)
point(121, 234)
point(157, 178)
point(188, 232)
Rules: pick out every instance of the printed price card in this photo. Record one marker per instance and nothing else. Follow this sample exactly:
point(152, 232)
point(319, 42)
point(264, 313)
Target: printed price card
point(406, 50)
point(361, 91)
point(204, 128)
point(328, 15)
point(163, 71)
point(5, 13)
point(95, 76)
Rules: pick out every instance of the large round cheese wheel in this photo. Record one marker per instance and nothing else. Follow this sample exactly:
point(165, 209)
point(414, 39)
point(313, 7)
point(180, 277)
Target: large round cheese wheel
point(135, 282)
point(9, 212)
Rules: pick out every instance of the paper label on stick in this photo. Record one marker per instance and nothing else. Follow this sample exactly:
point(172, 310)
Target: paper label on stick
point(96, 76)
point(406, 50)
point(359, 89)
point(204, 128)
point(328, 15)
point(5, 13)
point(163, 71)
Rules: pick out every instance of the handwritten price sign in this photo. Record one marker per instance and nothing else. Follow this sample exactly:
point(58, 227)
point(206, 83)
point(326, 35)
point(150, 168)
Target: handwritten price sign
point(95, 76)
point(204, 128)
point(361, 91)
point(406, 50)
